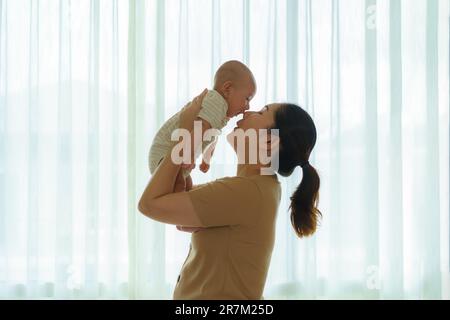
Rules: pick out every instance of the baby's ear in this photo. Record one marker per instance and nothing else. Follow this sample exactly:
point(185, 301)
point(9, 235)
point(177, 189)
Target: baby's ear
point(226, 88)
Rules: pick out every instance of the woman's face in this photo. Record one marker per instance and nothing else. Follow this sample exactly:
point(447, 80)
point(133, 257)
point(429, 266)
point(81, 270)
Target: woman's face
point(263, 119)
point(247, 137)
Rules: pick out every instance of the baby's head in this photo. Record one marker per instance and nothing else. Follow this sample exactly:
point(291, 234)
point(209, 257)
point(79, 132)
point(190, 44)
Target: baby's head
point(235, 82)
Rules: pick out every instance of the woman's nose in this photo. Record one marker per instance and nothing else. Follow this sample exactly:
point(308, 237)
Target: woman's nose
point(247, 114)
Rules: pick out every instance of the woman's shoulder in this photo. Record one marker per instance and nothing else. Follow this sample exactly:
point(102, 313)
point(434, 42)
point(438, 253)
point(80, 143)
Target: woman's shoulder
point(259, 184)
point(233, 183)
point(235, 180)
point(254, 179)
point(268, 184)
point(245, 183)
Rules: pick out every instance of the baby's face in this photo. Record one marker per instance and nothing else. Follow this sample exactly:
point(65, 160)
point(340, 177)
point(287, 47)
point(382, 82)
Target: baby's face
point(240, 97)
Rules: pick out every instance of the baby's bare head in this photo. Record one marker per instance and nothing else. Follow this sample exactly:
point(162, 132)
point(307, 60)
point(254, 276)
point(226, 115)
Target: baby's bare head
point(236, 83)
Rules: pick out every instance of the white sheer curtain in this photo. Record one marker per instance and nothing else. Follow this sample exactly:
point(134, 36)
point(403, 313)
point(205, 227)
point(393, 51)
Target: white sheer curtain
point(63, 136)
point(374, 75)
point(84, 85)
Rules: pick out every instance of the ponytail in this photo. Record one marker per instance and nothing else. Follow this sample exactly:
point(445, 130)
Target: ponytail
point(298, 137)
point(304, 212)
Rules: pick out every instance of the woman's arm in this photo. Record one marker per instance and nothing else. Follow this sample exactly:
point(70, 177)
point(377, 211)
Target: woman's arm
point(158, 200)
point(189, 187)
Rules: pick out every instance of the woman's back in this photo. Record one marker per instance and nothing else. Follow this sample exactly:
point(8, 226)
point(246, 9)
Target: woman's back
point(230, 259)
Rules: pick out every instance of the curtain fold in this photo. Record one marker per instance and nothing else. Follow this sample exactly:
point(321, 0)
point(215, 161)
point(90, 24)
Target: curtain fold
point(86, 84)
point(393, 244)
point(371, 146)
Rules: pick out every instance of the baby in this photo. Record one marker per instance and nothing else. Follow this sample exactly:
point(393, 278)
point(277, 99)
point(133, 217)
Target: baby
point(234, 87)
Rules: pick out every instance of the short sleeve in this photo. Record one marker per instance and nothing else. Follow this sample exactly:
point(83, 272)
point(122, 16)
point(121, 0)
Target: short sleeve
point(227, 201)
point(214, 110)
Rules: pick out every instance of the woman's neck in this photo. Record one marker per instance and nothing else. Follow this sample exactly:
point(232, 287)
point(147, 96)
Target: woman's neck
point(248, 170)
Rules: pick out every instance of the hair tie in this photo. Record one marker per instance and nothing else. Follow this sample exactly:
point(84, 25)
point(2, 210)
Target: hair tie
point(305, 164)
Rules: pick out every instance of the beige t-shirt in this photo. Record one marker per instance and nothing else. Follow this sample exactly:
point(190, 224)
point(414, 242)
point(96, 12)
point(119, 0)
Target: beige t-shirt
point(231, 258)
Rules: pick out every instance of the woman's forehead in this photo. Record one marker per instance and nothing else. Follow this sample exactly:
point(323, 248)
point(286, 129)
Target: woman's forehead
point(271, 107)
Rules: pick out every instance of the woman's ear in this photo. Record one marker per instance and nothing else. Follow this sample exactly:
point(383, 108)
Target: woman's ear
point(269, 152)
point(270, 141)
point(273, 143)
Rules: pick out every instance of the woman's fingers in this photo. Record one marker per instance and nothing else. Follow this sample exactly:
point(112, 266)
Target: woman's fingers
point(190, 112)
point(201, 95)
point(189, 183)
point(188, 166)
point(189, 229)
point(180, 183)
point(198, 100)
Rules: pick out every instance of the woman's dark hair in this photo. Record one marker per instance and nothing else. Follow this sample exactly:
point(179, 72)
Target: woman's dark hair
point(298, 136)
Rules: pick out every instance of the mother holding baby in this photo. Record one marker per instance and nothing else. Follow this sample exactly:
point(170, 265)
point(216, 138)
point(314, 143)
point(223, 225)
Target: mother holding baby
point(230, 254)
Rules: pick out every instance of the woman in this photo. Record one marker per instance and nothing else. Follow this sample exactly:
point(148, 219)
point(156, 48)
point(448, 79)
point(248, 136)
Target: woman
point(229, 258)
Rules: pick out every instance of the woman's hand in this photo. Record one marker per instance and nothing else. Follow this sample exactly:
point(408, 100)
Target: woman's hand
point(187, 117)
point(190, 229)
point(190, 112)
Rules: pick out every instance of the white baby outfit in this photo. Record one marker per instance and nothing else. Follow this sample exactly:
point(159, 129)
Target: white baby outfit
point(214, 111)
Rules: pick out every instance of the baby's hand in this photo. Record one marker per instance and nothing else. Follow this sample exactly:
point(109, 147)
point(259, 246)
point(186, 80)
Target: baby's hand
point(204, 167)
